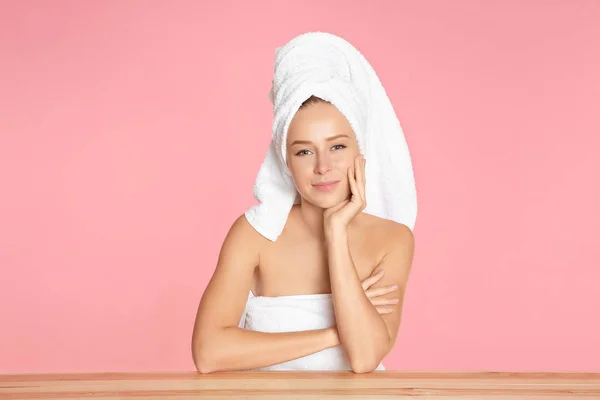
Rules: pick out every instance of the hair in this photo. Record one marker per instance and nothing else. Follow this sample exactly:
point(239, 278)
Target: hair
point(312, 100)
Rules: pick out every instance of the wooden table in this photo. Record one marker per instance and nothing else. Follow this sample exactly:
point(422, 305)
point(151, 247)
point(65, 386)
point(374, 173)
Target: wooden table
point(304, 385)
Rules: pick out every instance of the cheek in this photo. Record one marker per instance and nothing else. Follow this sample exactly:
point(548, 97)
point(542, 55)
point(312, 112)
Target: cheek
point(301, 171)
point(345, 161)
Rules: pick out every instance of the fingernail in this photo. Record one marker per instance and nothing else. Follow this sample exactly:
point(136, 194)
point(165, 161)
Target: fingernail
point(381, 272)
point(394, 286)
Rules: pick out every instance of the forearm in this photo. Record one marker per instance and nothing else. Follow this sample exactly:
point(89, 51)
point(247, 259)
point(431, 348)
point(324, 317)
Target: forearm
point(234, 349)
point(362, 331)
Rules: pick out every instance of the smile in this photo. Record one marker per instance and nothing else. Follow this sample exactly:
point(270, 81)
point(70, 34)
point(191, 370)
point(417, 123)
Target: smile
point(325, 186)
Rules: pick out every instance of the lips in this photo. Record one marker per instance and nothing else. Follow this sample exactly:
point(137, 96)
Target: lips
point(325, 186)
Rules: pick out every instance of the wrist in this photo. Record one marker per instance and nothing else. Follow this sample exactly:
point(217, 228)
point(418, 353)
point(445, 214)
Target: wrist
point(332, 336)
point(335, 232)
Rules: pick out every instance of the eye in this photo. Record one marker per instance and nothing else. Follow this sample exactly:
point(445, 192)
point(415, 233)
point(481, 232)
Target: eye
point(339, 146)
point(302, 152)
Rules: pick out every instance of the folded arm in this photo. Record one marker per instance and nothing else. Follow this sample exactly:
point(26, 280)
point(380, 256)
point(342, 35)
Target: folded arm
point(218, 344)
point(366, 336)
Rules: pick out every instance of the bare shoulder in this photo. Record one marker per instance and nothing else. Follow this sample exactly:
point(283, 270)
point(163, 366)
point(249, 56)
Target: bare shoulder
point(388, 239)
point(242, 226)
point(239, 255)
point(397, 234)
point(395, 243)
point(387, 233)
point(243, 237)
point(225, 295)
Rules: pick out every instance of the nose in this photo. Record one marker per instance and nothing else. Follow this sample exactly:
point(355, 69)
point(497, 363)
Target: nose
point(323, 164)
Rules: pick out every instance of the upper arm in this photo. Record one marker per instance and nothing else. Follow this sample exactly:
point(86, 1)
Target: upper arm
point(226, 294)
point(397, 264)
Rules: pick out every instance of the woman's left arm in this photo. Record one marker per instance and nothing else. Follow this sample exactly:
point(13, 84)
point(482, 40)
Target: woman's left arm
point(367, 336)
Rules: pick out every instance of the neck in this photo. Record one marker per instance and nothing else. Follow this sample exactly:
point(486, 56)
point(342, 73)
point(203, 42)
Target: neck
point(312, 218)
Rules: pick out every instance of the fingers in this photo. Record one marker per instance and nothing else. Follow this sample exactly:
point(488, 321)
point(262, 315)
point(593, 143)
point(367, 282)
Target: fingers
point(328, 212)
point(373, 294)
point(338, 207)
point(352, 181)
point(384, 302)
point(385, 310)
point(380, 291)
point(371, 280)
point(360, 176)
point(356, 180)
point(356, 175)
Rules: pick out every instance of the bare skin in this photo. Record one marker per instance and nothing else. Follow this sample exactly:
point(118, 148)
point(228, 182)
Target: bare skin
point(297, 262)
point(305, 259)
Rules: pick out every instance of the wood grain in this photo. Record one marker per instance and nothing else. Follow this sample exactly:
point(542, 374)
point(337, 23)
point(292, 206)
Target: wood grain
point(304, 385)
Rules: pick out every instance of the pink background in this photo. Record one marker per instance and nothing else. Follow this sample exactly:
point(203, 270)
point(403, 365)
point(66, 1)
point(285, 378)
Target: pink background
point(132, 131)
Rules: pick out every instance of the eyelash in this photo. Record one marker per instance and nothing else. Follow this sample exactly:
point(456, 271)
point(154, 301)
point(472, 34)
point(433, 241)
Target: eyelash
point(300, 152)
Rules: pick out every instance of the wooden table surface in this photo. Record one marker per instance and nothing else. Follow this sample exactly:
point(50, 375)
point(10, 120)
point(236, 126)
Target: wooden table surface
point(304, 385)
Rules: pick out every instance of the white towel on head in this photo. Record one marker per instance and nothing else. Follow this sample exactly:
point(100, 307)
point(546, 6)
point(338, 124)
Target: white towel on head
point(326, 66)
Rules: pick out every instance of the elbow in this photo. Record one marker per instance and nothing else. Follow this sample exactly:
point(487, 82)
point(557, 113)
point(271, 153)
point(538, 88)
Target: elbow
point(203, 367)
point(366, 362)
point(364, 366)
point(202, 360)
point(363, 361)
point(369, 360)
point(206, 352)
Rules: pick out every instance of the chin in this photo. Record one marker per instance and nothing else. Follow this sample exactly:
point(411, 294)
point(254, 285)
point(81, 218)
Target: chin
point(326, 200)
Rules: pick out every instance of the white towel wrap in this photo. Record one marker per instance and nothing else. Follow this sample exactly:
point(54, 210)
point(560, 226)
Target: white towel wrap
point(327, 66)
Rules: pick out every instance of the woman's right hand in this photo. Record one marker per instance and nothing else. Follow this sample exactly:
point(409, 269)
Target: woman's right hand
point(375, 293)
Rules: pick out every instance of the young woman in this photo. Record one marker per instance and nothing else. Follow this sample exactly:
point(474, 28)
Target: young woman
point(328, 293)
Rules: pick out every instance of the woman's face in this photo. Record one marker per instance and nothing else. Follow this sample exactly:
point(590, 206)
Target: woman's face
point(321, 146)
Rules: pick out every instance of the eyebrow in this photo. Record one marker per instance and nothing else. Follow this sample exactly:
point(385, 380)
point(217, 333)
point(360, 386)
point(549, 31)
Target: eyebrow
point(328, 139)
